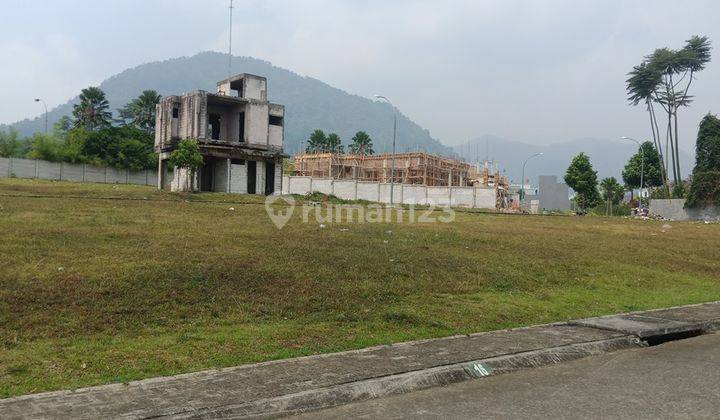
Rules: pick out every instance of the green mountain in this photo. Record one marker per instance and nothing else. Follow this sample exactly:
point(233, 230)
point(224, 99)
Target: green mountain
point(310, 104)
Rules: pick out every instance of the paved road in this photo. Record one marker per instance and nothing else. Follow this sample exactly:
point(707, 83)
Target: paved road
point(679, 379)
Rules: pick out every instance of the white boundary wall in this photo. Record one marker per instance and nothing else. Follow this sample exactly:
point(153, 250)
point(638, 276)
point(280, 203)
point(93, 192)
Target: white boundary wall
point(61, 171)
point(474, 197)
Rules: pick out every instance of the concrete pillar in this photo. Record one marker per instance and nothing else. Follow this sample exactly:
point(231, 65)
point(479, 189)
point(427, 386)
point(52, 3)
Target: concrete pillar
point(161, 174)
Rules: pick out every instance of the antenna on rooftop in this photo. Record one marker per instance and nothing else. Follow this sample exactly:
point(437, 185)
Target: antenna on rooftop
point(230, 42)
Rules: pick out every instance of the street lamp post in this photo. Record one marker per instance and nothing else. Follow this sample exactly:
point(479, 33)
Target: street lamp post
point(522, 180)
point(642, 165)
point(392, 168)
point(46, 115)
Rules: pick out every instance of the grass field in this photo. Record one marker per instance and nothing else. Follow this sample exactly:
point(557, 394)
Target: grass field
point(102, 283)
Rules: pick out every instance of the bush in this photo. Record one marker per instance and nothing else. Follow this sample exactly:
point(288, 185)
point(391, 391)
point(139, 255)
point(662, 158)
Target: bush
point(45, 147)
point(705, 189)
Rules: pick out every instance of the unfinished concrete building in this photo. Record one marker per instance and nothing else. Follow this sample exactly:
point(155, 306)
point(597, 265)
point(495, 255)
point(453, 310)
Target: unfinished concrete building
point(410, 168)
point(239, 132)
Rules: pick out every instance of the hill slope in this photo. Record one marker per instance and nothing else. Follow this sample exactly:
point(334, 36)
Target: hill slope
point(310, 103)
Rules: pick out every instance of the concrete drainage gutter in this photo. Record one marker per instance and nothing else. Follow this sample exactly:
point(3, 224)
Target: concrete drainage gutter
point(410, 381)
point(283, 387)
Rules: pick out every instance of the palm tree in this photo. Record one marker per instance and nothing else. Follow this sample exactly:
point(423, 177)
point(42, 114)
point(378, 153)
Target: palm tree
point(92, 111)
point(641, 87)
point(334, 144)
point(659, 80)
point(317, 143)
point(141, 111)
point(361, 144)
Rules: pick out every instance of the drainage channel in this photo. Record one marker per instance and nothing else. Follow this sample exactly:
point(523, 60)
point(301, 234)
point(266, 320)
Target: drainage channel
point(658, 339)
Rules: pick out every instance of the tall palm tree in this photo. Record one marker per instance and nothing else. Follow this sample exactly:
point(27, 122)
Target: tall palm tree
point(92, 111)
point(361, 144)
point(141, 111)
point(642, 83)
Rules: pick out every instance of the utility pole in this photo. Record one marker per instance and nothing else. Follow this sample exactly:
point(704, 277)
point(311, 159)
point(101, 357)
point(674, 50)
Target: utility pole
point(522, 179)
point(46, 114)
point(392, 169)
point(230, 42)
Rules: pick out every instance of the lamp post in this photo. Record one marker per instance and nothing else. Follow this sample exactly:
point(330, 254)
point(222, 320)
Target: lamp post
point(46, 116)
point(392, 169)
point(522, 180)
point(642, 164)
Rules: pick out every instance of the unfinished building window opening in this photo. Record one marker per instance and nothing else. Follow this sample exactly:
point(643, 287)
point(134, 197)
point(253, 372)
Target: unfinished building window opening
point(251, 176)
point(176, 112)
point(241, 125)
point(276, 120)
point(269, 178)
point(214, 126)
point(206, 175)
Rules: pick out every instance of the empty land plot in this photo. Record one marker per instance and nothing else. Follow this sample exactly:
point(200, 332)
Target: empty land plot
point(103, 283)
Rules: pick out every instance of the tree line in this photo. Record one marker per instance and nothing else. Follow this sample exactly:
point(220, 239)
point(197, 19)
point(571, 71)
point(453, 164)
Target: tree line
point(704, 185)
point(93, 136)
point(319, 142)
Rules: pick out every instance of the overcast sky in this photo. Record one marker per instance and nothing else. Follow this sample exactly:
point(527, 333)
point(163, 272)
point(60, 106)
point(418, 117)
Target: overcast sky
point(535, 71)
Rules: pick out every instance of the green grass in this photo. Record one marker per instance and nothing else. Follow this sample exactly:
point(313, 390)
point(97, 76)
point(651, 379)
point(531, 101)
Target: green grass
point(96, 290)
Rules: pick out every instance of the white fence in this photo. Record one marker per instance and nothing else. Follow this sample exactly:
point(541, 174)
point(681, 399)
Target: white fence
point(475, 197)
point(61, 171)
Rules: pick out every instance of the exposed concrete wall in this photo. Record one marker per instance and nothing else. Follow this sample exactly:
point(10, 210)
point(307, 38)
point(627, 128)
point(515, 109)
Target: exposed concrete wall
point(73, 172)
point(344, 189)
point(285, 190)
point(61, 171)
point(256, 123)
point(220, 176)
point(299, 185)
point(23, 168)
point(485, 198)
point(384, 193)
point(180, 181)
point(323, 186)
point(380, 192)
point(115, 176)
point(675, 209)
point(52, 170)
point(278, 178)
point(255, 88)
point(260, 178)
point(439, 196)
point(369, 191)
point(414, 194)
point(553, 194)
point(462, 196)
point(275, 135)
point(238, 179)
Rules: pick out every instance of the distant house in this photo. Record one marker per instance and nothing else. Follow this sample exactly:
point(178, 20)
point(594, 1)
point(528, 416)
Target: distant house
point(239, 132)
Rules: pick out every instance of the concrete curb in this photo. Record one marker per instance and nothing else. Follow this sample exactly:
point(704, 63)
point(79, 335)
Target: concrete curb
point(407, 382)
point(291, 386)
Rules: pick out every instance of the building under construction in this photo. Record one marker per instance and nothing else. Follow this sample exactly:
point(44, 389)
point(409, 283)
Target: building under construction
point(410, 168)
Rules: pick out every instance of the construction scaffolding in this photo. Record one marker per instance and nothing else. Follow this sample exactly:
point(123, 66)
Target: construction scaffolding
point(410, 168)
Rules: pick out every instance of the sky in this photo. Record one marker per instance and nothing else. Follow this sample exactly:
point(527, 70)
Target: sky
point(538, 71)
